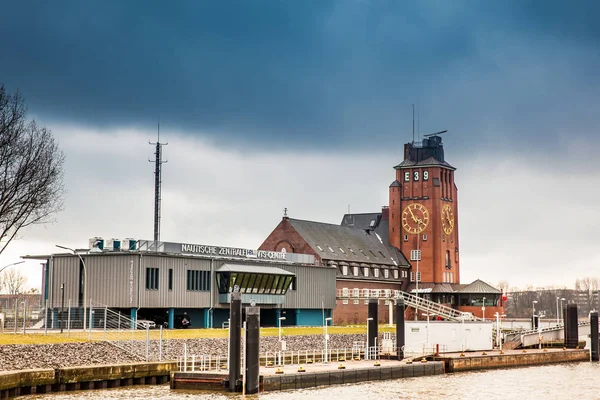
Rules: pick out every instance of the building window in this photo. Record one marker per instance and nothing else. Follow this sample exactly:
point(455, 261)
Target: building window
point(294, 284)
point(356, 301)
point(424, 237)
point(198, 280)
point(415, 255)
point(365, 292)
point(395, 274)
point(330, 249)
point(345, 292)
point(412, 276)
point(170, 278)
point(345, 301)
point(405, 274)
point(406, 238)
point(152, 278)
point(355, 271)
point(366, 302)
point(320, 248)
point(344, 270)
point(448, 261)
point(366, 271)
point(419, 276)
point(386, 273)
point(387, 302)
point(342, 250)
point(376, 272)
point(388, 292)
point(375, 293)
point(355, 292)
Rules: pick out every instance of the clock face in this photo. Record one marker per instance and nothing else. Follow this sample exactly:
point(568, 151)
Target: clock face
point(415, 218)
point(447, 219)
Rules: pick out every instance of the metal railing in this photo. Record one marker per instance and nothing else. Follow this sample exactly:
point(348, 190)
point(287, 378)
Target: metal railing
point(219, 362)
point(411, 300)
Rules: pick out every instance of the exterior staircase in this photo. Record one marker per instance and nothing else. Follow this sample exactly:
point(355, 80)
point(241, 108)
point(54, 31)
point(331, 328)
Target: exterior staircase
point(427, 306)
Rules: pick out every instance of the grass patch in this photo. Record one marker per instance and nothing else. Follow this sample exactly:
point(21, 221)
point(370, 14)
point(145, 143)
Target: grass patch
point(54, 337)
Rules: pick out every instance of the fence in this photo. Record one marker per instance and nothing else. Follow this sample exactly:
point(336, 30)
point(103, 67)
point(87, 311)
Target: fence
point(218, 362)
point(99, 323)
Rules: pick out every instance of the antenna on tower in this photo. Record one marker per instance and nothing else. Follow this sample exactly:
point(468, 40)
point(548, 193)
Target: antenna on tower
point(413, 107)
point(419, 119)
point(436, 133)
point(157, 183)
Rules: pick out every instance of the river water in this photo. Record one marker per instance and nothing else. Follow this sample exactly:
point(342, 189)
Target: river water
point(575, 381)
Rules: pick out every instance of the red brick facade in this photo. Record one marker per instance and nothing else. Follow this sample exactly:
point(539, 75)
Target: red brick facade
point(437, 247)
point(357, 314)
point(284, 236)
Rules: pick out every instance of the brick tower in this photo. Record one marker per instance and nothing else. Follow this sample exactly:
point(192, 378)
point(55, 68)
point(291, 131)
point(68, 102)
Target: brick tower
point(423, 212)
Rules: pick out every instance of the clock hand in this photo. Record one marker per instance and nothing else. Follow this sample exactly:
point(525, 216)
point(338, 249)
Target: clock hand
point(413, 215)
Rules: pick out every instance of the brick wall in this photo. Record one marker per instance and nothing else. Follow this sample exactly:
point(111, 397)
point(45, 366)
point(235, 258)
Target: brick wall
point(352, 314)
point(285, 236)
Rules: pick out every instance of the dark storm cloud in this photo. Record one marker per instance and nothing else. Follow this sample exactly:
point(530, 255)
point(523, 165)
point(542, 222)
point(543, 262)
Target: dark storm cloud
point(308, 73)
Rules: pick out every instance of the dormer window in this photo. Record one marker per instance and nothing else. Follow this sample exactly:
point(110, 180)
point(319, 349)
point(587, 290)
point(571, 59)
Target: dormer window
point(366, 271)
point(395, 274)
point(330, 249)
point(344, 270)
point(386, 273)
point(342, 250)
point(355, 271)
point(320, 248)
point(376, 272)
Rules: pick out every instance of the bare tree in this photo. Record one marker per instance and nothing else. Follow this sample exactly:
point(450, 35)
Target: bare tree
point(13, 281)
point(502, 286)
point(31, 170)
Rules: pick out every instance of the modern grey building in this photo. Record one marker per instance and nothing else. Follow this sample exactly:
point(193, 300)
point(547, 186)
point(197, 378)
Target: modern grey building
point(162, 281)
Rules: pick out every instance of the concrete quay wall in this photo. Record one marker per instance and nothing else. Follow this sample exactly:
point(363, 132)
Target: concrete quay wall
point(17, 383)
point(521, 359)
point(338, 377)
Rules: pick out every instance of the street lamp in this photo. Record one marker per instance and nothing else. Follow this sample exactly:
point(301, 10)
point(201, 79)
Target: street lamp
point(10, 265)
point(280, 319)
point(84, 282)
point(427, 315)
point(483, 309)
point(561, 307)
point(326, 338)
point(498, 338)
point(24, 314)
point(557, 309)
point(367, 351)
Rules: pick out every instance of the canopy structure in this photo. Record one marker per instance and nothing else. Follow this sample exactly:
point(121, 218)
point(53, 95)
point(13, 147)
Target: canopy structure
point(252, 279)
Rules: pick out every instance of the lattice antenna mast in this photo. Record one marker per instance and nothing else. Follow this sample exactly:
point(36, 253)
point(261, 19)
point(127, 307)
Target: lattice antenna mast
point(157, 183)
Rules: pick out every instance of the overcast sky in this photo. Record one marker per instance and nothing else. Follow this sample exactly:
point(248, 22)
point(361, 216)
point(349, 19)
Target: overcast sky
point(307, 105)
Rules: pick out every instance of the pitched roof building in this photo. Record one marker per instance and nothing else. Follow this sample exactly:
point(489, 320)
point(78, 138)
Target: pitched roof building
point(411, 245)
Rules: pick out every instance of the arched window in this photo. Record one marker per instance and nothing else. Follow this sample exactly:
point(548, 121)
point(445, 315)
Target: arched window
point(448, 261)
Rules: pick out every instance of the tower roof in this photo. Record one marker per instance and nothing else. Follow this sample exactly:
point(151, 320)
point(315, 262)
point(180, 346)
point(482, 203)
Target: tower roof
point(429, 152)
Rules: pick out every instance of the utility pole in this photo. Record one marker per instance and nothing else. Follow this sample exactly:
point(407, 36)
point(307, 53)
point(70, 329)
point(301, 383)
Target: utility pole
point(157, 185)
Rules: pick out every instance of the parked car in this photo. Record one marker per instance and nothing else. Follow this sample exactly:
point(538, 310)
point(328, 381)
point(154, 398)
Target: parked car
point(146, 324)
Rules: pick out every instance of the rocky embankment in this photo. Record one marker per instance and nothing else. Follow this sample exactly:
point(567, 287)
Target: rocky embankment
point(15, 357)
